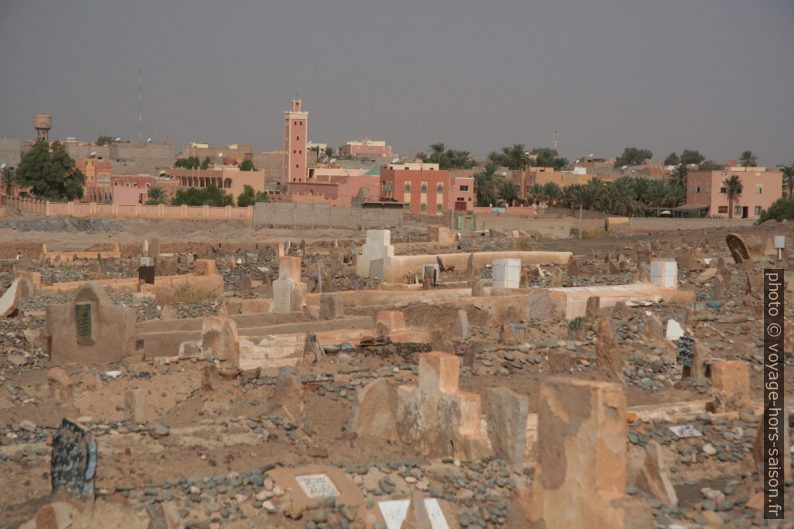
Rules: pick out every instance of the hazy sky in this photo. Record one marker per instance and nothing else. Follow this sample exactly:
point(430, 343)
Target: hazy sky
point(715, 75)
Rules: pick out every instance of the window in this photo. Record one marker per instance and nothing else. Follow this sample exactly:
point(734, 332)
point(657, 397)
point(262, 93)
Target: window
point(723, 189)
point(294, 122)
point(439, 208)
point(423, 207)
point(408, 187)
point(440, 188)
point(759, 189)
point(464, 188)
point(757, 210)
point(737, 210)
point(297, 138)
point(697, 189)
point(424, 187)
point(723, 209)
point(297, 165)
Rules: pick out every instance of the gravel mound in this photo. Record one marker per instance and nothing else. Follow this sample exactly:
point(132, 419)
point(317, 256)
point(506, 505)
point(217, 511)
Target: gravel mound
point(90, 225)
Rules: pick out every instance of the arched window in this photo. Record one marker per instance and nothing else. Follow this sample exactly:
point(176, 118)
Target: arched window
point(408, 187)
point(424, 187)
point(423, 207)
point(227, 183)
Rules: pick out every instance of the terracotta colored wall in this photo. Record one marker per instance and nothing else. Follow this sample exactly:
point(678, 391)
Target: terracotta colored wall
point(397, 178)
point(703, 187)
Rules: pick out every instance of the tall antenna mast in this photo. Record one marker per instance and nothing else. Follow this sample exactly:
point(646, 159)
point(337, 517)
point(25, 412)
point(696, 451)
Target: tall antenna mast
point(556, 138)
point(140, 103)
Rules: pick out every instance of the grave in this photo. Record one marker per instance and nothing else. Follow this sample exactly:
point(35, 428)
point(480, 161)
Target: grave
point(581, 476)
point(74, 460)
point(730, 381)
point(416, 512)
point(506, 273)
point(435, 417)
point(375, 411)
point(288, 289)
point(506, 413)
point(91, 330)
point(738, 249)
point(311, 485)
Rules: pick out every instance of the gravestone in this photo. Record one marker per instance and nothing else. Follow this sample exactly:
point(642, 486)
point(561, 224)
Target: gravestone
point(738, 248)
point(317, 486)
point(146, 274)
point(91, 330)
point(74, 460)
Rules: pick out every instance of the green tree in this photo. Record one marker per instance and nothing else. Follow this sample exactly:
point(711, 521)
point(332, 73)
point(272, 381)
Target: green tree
point(486, 184)
point(633, 156)
point(249, 197)
point(691, 157)
point(710, 165)
point(546, 157)
point(207, 196)
point(514, 157)
point(781, 209)
point(155, 196)
point(788, 180)
point(9, 180)
point(247, 165)
point(49, 173)
point(188, 163)
point(733, 187)
point(551, 193)
point(104, 139)
point(205, 163)
point(679, 174)
point(330, 153)
point(447, 158)
point(508, 192)
point(672, 159)
point(748, 159)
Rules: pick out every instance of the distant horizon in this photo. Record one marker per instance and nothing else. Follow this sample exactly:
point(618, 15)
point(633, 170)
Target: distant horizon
point(610, 74)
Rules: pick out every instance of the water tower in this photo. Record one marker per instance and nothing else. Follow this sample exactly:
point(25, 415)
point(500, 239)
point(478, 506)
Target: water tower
point(42, 123)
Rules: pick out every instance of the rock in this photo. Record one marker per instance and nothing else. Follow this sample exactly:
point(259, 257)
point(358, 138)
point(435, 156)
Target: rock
point(28, 426)
point(160, 430)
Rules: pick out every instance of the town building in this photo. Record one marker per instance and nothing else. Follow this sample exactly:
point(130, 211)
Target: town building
point(424, 188)
point(229, 178)
point(127, 157)
point(296, 129)
point(526, 179)
point(336, 186)
point(126, 190)
point(233, 154)
point(761, 187)
point(10, 151)
point(365, 148)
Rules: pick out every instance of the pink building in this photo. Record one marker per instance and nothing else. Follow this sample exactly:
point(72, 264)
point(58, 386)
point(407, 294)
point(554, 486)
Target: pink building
point(229, 178)
point(337, 186)
point(296, 130)
point(424, 188)
point(760, 189)
point(365, 148)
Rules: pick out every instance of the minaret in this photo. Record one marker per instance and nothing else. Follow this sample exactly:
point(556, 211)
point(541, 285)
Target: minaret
point(296, 128)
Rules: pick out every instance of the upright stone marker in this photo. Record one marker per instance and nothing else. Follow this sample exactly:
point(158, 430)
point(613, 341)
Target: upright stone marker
point(74, 460)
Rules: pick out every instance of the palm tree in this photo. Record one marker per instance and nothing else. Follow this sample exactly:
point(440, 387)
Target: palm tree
point(734, 188)
point(515, 157)
point(508, 192)
point(551, 193)
point(486, 185)
point(748, 159)
point(156, 195)
point(788, 180)
point(329, 153)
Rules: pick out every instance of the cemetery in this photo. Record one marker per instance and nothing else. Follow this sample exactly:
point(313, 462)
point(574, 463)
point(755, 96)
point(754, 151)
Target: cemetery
point(389, 379)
